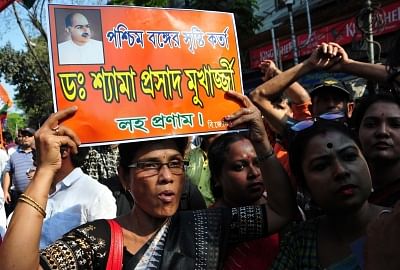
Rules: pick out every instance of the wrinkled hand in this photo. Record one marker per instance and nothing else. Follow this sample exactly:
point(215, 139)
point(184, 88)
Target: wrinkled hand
point(269, 69)
point(383, 242)
point(326, 55)
point(247, 115)
point(51, 136)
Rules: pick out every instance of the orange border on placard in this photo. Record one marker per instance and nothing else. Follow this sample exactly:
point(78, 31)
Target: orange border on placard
point(165, 73)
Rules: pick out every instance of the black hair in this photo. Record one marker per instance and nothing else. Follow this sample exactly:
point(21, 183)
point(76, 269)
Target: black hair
point(7, 136)
point(331, 92)
point(393, 59)
point(365, 102)
point(299, 143)
point(78, 158)
point(127, 151)
point(68, 19)
point(217, 156)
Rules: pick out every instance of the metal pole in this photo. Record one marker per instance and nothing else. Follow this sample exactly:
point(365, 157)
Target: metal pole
point(274, 45)
point(293, 35)
point(309, 26)
point(370, 38)
point(279, 54)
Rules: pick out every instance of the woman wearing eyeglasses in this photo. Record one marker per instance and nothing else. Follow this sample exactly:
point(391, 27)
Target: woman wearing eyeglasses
point(329, 165)
point(155, 235)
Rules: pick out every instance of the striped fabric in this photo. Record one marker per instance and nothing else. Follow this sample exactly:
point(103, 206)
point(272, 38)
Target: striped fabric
point(17, 166)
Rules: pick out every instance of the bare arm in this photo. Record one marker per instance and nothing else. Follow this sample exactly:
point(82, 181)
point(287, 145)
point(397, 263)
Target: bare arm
point(375, 72)
point(6, 187)
point(279, 82)
point(294, 90)
point(281, 206)
point(22, 237)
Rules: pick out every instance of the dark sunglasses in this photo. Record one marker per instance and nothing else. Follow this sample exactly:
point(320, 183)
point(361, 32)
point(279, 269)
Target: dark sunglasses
point(329, 116)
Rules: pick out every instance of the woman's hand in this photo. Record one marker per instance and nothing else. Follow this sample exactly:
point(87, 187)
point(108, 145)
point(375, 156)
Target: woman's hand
point(248, 115)
point(51, 136)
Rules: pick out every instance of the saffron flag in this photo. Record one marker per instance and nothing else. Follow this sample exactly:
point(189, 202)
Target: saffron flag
point(5, 104)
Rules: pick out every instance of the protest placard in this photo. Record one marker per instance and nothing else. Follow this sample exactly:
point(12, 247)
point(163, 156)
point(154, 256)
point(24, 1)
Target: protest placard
point(141, 73)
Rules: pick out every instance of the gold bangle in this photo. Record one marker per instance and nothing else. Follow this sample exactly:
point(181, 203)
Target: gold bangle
point(266, 156)
point(25, 198)
point(33, 205)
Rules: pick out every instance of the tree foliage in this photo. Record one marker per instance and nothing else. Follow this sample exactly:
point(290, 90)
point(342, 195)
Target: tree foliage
point(28, 70)
point(15, 121)
point(32, 94)
point(246, 21)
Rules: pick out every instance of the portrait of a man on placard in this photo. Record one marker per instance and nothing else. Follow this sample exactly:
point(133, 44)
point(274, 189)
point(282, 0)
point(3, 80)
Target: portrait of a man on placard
point(79, 37)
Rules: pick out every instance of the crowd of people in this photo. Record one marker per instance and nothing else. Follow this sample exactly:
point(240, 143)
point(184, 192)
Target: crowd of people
point(312, 184)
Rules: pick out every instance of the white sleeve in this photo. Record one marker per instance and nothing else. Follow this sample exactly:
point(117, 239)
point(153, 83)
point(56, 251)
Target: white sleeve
point(103, 206)
point(3, 219)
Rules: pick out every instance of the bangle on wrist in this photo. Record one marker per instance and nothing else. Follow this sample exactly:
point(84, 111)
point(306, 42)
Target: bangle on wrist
point(265, 156)
point(28, 200)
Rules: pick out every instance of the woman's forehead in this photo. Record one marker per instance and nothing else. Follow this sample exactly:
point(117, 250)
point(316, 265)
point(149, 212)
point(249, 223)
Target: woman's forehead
point(328, 141)
point(157, 149)
point(382, 106)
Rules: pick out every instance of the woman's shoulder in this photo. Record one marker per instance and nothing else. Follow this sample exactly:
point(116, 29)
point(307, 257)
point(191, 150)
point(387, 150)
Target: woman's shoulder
point(303, 230)
point(84, 246)
point(93, 227)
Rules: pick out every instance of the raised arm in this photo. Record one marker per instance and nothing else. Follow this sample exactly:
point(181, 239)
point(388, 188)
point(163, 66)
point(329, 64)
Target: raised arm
point(20, 248)
point(277, 83)
point(375, 72)
point(280, 85)
point(281, 206)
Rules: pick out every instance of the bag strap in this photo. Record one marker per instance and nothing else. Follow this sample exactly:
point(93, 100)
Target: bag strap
point(115, 253)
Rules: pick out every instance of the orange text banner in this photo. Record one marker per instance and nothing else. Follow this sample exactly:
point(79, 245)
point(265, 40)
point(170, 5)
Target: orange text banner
point(148, 72)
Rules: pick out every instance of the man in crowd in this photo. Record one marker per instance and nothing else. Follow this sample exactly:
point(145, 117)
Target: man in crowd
point(74, 199)
point(329, 96)
point(15, 179)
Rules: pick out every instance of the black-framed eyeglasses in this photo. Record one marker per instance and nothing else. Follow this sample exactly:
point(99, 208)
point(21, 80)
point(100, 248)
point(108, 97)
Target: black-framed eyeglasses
point(151, 168)
point(329, 116)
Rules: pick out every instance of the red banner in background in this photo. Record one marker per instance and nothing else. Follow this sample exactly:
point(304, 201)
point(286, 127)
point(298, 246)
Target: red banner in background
point(343, 32)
